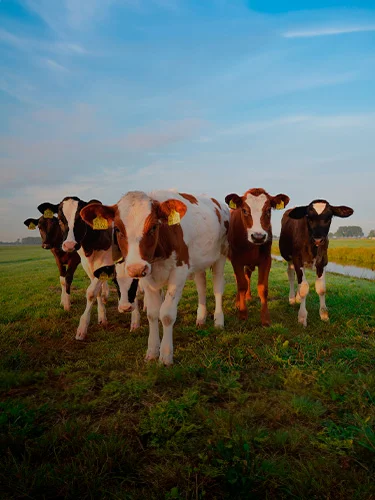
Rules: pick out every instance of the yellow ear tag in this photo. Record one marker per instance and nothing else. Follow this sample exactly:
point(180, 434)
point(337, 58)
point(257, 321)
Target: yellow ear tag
point(103, 277)
point(280, 205)
point(31, 226)
point(99, 223)
point(232, 205)
point(48, 214)
point(174, 218)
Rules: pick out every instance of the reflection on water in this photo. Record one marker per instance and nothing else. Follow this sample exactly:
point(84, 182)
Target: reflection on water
point(354, 271)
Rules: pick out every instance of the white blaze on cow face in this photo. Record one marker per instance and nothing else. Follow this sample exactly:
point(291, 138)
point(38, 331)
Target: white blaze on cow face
point(319, 207)
point(256, 205)
point(69, 209)
point(134, 208)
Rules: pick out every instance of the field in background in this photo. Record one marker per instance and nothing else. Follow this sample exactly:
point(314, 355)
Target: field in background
point(354, 252)
point(248, 412)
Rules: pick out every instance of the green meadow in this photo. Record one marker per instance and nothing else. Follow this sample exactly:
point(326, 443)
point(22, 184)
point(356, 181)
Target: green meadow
point(346, 251)
point(244, 413)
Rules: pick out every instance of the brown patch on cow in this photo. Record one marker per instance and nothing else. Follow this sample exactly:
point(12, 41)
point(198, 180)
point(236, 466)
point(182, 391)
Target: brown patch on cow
point(218, 215)
point(190, 198)
point(216, 202)
point(255, 192)
point(159, 240)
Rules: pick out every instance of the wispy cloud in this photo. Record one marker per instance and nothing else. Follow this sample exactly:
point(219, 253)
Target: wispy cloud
point(51, 64)
point(327, 31)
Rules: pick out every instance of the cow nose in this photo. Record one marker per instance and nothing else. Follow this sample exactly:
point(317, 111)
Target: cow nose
point(258, 237)
point(137, 270)
point(318, 241)
point(69, 246)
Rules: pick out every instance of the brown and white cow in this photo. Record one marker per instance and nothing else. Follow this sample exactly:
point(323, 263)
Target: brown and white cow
point(304, 242)
point(52, 238)
point(99, 255)
point(164, 236)
point(250, 241)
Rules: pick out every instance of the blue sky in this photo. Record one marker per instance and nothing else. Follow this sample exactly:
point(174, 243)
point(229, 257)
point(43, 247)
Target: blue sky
point(99, 97)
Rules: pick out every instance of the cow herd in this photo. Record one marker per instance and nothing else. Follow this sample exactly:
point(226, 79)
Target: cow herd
point(148, 241)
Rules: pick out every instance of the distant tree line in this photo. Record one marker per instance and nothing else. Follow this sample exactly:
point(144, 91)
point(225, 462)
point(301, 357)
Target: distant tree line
point(351, 232)
point(30, 240)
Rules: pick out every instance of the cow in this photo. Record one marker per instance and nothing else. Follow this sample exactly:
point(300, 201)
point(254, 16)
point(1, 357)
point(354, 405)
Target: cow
point(51, 235)
point(250, 241)
point(164, 236)
point(304, 241)
point(99, 257)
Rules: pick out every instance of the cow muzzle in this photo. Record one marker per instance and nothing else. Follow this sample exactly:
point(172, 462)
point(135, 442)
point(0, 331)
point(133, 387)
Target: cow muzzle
point(258, 238)
point(138, 270)
point(69, 246)
point(318, 242)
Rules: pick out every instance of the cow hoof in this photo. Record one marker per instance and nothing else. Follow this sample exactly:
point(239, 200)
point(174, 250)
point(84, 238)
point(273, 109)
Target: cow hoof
point(134, 326)
point(292, 301)
point(266, 323)
point(219, 320)
point(166, 360)
point(80, 335)
point(324, 314)
point(302, 320)
point(66, 307)
point(200, 323)
point(248, 298)
point(151, 356)
point(103, 323)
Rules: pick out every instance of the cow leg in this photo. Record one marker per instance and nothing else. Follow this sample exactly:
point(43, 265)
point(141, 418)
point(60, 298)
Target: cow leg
point(104, 294)
point(168, 312)
point(218, 283)
point(303, 290)
point(72, 266)
point(248, 274)
point(153, 308)
point(200, 281)
point(135, 321)
point(91, 293)
point(65, 297)
point(102, 300)
point(320, 287)
point(263, 273)
point(291, 274)
point(241, 290)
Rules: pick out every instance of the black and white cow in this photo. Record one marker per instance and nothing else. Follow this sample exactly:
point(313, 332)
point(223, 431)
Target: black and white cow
point(99, 254)
point(304, 241)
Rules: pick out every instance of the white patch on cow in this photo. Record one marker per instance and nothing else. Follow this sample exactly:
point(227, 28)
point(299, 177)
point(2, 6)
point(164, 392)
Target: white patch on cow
point(256, 204)
point(134, 208)
point(69, 208)
point(319, 207)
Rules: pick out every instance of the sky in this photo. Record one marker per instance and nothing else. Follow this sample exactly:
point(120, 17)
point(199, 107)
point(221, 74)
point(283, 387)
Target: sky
point(101, 97)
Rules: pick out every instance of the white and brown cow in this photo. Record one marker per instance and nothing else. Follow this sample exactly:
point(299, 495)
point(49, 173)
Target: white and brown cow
point(164, 236)
point(250, 241)
point(304, 242)
point(99, 255)
point(52, 237)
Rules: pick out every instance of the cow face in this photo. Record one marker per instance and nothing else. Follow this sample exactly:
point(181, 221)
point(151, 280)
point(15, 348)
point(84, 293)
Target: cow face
point(49, 230)
point(256, 205)
point(138, 222)
point(72, 226)
point(319, 215)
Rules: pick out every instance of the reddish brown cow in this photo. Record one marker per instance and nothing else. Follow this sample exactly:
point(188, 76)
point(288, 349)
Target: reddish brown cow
point(250, 240)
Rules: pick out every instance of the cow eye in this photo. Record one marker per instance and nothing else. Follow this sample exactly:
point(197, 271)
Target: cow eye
point(245, 212)
point(153, 229)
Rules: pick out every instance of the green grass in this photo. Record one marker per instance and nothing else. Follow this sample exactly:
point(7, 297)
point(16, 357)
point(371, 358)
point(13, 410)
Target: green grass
point(355, 252)
point(247, 412)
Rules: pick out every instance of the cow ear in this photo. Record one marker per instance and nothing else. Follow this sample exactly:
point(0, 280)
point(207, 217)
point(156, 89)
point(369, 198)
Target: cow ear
point(31, 223)
point(342, 211)
point(97, 215)
point(234, 201)
point(48, 209)
point(171, 211)
point(298, 212)
point(279, 201)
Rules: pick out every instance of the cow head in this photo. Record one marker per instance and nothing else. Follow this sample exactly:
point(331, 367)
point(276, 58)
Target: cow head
point(48, 225)
point(72, 226)
point(138, 221)
point(319, 215)
point(255, 206)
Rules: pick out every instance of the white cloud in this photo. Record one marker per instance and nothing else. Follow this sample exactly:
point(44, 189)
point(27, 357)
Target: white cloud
point(327, 31)
point(51, 64)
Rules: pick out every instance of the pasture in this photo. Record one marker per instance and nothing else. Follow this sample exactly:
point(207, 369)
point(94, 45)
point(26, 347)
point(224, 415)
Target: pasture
point(247, 412)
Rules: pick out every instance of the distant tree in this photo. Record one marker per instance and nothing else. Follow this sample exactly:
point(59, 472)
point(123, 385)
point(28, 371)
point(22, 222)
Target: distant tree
point(349, 232)
point(330, 235)
point(371, 234)
point(32, 240)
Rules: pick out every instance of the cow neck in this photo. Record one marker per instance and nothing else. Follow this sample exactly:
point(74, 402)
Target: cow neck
point(171, 239)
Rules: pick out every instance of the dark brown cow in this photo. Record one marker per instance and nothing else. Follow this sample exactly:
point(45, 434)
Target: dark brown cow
point(52, 237)
point(304, 241)
point(250, 240)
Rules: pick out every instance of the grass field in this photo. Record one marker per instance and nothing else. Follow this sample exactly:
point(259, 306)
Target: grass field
point(244, 413)
point(354, 252)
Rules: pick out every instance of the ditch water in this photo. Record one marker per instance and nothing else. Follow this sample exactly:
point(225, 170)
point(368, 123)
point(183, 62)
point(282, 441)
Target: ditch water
point(354, 271)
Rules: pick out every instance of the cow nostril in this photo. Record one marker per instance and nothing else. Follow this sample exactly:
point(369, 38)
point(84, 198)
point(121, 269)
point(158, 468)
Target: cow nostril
point(258, 237)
